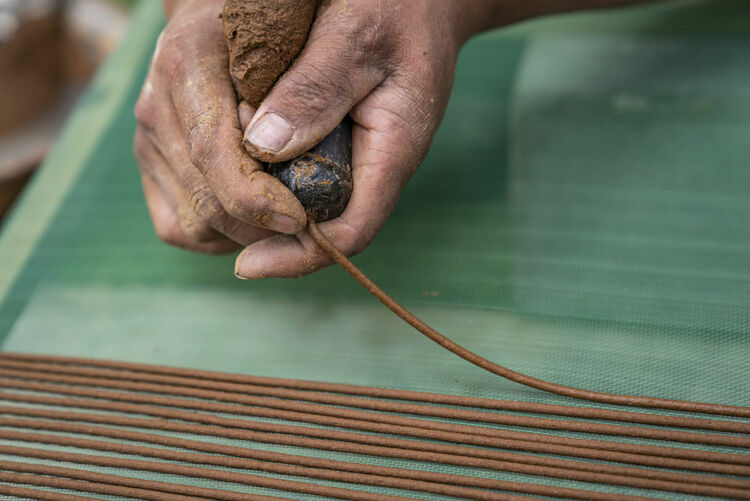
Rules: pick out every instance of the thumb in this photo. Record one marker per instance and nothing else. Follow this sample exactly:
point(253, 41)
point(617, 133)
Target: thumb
point(330, 76)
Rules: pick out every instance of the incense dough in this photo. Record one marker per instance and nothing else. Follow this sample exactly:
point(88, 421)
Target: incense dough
point(264, 38)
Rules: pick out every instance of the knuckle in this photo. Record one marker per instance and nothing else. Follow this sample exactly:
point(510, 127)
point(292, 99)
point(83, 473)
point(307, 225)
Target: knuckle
point(208, 215)
point(200, 146)
point(169, 61)
point(365, 33)
point(244, 201)
point(409, 119)
point(206, 136)
point(368, 33)
point(145, 108)
point(140, 145)
point(206, 206)
point(237, 207)
point(193, 227)
point(367, 36)
point(142, 151)
point(392, 121)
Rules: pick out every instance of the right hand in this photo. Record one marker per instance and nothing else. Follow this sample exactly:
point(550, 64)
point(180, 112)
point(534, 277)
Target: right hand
point(203, 190)
point(394, 66)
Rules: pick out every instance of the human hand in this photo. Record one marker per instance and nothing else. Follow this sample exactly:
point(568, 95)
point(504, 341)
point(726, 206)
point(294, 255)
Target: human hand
point(388, 64)
point(203, 190)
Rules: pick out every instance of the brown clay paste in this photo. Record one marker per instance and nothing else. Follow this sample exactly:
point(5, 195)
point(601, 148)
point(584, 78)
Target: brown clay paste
point(264, 38)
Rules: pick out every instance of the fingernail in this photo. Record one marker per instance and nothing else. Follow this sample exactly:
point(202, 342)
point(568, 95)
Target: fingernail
point(245, 267)
point(237, 267)
point(270, 133)
point(284, 224)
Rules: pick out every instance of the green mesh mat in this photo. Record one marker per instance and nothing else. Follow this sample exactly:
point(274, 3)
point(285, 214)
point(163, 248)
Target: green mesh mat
point(582, 217)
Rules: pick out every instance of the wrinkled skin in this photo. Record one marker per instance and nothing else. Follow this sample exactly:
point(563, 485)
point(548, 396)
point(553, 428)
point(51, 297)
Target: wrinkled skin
point(387, 63)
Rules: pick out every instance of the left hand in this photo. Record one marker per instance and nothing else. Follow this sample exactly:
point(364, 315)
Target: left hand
point(203, 191)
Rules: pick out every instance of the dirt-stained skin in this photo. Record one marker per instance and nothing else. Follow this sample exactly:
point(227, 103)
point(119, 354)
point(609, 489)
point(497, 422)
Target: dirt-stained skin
point(263, 39)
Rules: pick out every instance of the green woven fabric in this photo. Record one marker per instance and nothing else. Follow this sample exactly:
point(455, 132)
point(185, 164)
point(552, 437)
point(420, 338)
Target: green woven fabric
point(582, 217)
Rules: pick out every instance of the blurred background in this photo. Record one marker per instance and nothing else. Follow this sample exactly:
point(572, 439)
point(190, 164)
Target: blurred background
point(49, 49)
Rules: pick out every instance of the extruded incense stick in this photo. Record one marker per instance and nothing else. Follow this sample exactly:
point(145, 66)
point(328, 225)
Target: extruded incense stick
point(268, 388)
point(376, 445)
point(367, 474)
point(559, 389)
point(180, 401)
point(91, 486)
point(152, 485)
point(291, 405)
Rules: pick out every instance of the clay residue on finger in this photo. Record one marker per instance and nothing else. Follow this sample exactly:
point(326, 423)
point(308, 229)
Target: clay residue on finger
point(263, 39)
point(272, 197)
point(247, 164)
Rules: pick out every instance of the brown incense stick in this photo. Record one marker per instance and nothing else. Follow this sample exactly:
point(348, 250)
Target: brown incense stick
point(89, 485)
point(232, 477)
point(361, 443)
point(393, 394)
point(582, 394)
point(134, 368)
point(607, 471)
point(291, 469)
point(709, 461)
point(153, 396)
point(152, 485)
point(552, 424)
point(26, 493)
point(196, 472)
point(388, 406)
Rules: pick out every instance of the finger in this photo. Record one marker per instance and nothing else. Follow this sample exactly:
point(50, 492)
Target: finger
point(199, 203)
point(207, 109)
point(376, 189)
point(336, 69)
point(168, 228)
point(386, 151)
point(153, 166)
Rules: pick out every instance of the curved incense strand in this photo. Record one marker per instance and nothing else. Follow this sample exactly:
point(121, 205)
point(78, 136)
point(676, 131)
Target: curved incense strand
point(594, 396)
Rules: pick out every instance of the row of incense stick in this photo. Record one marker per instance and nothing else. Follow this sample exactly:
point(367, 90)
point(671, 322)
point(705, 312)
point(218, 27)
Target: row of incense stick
point(140, 414)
